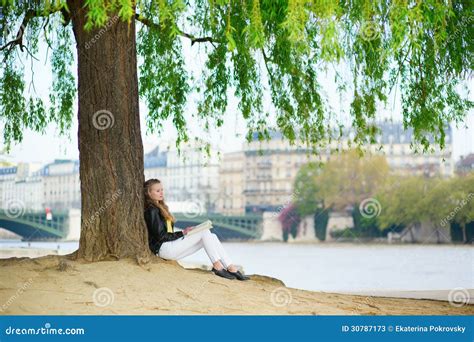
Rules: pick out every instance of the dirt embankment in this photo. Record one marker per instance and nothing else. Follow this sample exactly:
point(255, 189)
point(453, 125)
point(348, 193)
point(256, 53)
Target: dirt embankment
point(55, 285)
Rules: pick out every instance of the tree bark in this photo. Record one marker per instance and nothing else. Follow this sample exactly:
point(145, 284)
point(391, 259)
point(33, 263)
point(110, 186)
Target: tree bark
point(110, 144)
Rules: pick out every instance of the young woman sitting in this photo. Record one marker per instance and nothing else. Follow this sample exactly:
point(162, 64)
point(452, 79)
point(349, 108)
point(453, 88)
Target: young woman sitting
point(171, 245)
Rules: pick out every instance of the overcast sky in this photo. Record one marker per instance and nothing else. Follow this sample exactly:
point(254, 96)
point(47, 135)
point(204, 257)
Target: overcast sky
point(45, 148)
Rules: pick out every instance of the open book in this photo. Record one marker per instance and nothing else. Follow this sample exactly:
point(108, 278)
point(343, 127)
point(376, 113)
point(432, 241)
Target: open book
point(200, 227)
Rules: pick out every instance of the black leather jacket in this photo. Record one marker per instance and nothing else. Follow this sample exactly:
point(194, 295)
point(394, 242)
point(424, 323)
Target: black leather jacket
point(157, 233)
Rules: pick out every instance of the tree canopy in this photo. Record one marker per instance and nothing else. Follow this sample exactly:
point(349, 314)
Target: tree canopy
point(424, 48)
point(439, 201)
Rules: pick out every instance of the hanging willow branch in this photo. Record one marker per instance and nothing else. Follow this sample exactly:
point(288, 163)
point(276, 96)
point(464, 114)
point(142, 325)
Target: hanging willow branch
point(424, 50)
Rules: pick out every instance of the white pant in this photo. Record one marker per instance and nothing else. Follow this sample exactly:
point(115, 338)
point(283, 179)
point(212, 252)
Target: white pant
point(182, 247)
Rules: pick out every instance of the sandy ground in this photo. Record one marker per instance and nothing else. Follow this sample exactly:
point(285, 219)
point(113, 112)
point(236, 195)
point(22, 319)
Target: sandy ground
point(55, 285)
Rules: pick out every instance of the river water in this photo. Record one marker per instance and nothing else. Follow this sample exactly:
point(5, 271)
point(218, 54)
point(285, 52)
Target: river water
point(340, 267)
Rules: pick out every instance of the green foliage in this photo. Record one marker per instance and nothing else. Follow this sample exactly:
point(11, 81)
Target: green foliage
point(306, 189)
point(457, 234)
point(364, 226)
point(412, 200)
point(164, 81)
point(21, 108)
point(255, 30)
point(391, 202)
point(321, 219)
point(64, 85)
point(41, 6)
point(461, 195)
point(345, 180)
point(435, 205)
point(348, 179)
point(399, 200)
point(15, 107)
point(423, 48)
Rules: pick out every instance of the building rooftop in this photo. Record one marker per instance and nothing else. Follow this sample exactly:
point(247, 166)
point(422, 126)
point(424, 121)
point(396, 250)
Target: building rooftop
point(391, 132)
point(8, 170)
point(155, 158)
point(394, 133)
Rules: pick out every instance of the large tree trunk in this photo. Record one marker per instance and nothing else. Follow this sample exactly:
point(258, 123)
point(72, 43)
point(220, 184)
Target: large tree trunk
point(110, 144)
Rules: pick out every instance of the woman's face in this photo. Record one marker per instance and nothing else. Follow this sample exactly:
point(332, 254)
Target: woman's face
point(156, 192)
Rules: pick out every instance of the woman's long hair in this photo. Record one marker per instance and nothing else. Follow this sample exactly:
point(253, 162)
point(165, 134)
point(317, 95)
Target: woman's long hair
point(161, 205)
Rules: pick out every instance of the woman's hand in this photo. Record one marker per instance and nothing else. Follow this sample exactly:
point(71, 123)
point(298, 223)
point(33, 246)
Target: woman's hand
point(186, 230)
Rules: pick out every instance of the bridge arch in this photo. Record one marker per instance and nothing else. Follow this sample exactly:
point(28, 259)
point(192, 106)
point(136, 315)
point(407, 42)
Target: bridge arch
point(34, 225)
point(227, 227)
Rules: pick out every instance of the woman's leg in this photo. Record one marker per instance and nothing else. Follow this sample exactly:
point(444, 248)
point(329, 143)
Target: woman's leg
point(223, 256)
point(178, 249)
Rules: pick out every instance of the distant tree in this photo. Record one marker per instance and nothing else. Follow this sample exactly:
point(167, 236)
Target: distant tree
point(433, 204)
point(344, 181)
point(461, 194)
point(411, 200)
point(347, 178)
point(290, 220)
point(365, 225)
point(321, 219)
point(399, 201)
point(307, 198)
